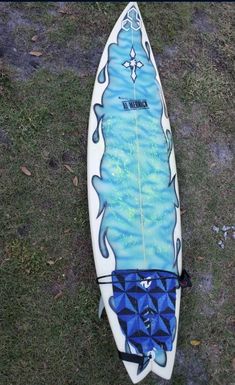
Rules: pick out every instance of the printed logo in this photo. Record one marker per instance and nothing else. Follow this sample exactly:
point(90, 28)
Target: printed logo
point(135, 104)
point(146, 283)
point(132, 20)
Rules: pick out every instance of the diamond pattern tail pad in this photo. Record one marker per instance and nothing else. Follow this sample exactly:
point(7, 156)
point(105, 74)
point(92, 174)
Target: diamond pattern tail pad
point(144, 301)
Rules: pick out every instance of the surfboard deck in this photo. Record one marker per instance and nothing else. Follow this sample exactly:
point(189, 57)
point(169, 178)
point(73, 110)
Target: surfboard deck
point(133, 200)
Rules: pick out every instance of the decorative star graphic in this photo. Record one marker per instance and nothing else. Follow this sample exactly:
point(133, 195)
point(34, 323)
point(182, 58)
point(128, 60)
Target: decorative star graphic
point(133, 64)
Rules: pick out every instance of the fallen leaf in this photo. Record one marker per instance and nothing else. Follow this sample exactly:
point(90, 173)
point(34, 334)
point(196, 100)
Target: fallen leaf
point(68, 168)
point(182, 211)
point(233, 363)
point(50, 262)
point(25, 171)
point(34, 38)
point(65, 10)
point(75, 181)
point(195, 342)
point(35, 53)
point(231, 318)
point(45, 153)
point(58, 295)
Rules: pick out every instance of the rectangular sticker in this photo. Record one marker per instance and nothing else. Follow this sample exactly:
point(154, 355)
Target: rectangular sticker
point(135, 104)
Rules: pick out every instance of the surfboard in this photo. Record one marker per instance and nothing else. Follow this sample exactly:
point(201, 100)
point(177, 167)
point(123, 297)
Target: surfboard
point(133, 199)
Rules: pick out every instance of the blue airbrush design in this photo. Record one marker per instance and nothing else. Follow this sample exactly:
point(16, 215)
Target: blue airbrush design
point(136, 193)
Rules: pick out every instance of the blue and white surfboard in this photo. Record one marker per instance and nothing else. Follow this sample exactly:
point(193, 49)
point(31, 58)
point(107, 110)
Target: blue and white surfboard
point(134, 201)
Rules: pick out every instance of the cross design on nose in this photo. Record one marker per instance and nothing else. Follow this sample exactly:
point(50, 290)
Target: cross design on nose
point(133, 64)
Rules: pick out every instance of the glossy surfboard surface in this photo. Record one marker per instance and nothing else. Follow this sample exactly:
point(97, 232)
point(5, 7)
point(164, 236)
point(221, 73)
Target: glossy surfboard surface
point(133, 200)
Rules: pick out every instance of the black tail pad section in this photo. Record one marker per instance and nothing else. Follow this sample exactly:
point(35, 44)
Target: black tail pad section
point(131, 357)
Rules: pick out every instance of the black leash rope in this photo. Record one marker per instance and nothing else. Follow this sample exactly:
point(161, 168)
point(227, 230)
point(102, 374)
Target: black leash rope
point(183, 279)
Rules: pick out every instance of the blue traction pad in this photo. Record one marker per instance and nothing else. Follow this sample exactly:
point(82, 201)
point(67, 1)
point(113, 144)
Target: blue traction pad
point(144, 301)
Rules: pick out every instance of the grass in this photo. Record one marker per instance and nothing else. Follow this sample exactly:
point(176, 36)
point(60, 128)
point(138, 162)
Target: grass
point(49, 328)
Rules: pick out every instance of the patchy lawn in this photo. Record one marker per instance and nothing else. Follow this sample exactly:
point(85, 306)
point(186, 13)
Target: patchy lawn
point(49, 327)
